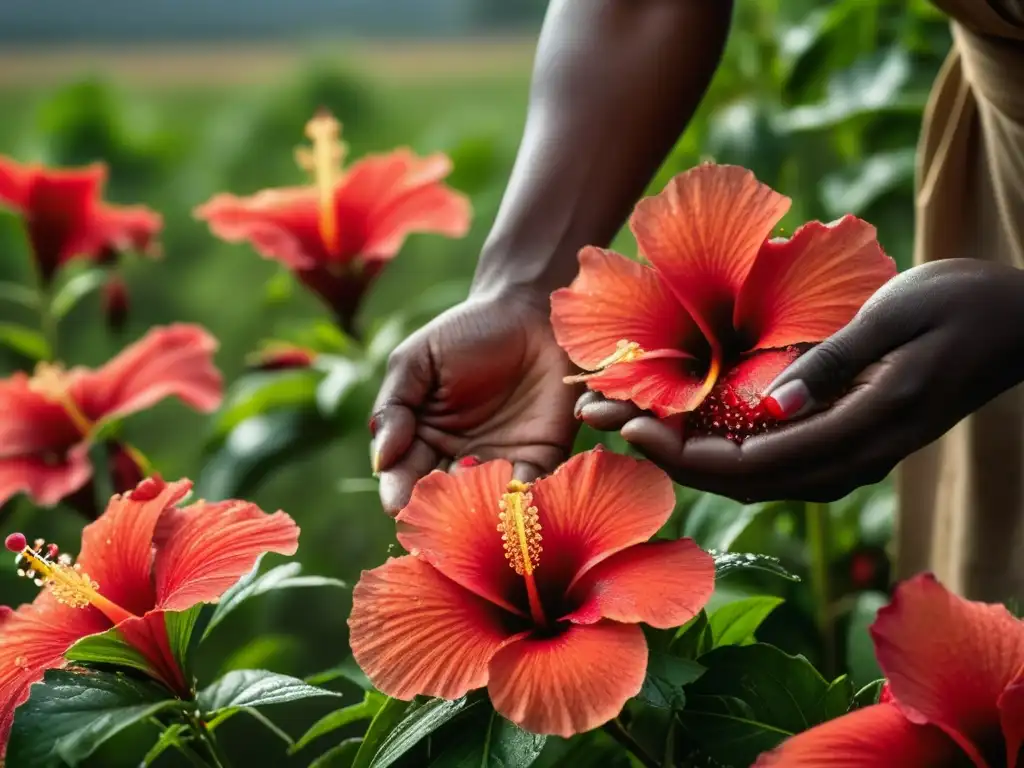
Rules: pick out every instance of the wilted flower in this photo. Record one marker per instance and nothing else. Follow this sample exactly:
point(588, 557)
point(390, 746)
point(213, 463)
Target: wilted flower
point(534, 591)
point(721, 310)
point(338, 233)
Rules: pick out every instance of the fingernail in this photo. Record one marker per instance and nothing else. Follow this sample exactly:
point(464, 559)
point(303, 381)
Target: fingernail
point(468, 461)
point(788, 400)
point(375, 464)
point(373, 425)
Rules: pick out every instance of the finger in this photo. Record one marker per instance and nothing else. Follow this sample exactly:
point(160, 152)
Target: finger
point(608, 415)
point(406, 384)
point(526, 472)
point(586, 399)
point(394, 428)
point(396, 482)
point(827, 370)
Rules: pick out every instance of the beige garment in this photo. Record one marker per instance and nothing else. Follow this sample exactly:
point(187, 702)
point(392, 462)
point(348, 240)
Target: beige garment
point(962, 498)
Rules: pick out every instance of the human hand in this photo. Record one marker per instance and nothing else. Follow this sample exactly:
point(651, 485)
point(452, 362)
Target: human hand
point(482, 381)
point(930, 347)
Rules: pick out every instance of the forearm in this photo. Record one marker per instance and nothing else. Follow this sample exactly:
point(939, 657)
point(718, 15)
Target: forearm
point(615, 82)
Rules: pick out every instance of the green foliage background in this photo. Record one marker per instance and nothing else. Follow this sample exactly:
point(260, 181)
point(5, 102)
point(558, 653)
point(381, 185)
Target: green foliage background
point(824, 103)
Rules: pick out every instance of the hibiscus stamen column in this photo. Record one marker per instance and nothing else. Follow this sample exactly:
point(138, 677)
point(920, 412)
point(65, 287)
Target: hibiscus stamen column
point(324, 162)
point(68, 583)
point(520, 533)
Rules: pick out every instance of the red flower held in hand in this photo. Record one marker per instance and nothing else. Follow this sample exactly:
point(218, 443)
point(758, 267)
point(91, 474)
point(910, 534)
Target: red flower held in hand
point(144, 556)
point(955, 673)
point(50, 418)
point(721, 310)
point(552, 633)
point(338, 233)
point(65, 217)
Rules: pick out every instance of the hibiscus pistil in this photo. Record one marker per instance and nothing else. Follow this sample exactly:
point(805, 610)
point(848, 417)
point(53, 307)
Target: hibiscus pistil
point(324, 162)
point(520, 535)
point(67, 582)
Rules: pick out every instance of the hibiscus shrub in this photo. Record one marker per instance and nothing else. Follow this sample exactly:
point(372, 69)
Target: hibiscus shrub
point(595, 616)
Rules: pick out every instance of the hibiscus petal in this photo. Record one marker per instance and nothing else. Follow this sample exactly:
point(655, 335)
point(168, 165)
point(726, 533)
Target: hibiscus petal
point(570, 683)
point(174, 361)
point(128, 228)
point(45, 482)
point(32, 640)
point(867, 738)
point(808, 287)
point(1011, 714)
point(947, 659)
point(662, 583)
point(596, 504)
point(452, 522)
point(205, 548)
point(616, 299)
point(415, 632)
point(148, 634)
point(280, 224)
point(117, 549)
point(702, 234)
point(15, 179)
point(662, 385)
point(384, 198)
point(31, 422)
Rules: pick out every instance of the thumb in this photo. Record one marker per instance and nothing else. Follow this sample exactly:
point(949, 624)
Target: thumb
point(828, 369)
point(406, 384)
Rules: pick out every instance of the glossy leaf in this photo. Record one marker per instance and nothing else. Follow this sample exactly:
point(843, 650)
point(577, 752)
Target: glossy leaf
point(364, 710)
point(497, 744)
point(694, 637)
point(343, 377)
point(25, 341)
point(255, 688)
point(838, 698)
point(735, 623)
point(341, 756)
point(666, 676)
point(715, 522)
point(348, 670)
point(172, 737)
point(390, 715)
point(75, 289)
point(70, 714)
point(259, 392)
point(185, 630)
point(868, 695)
point(594, 748)
point(15, 293)
point(108, 648)
point(732, 562)
point(418, 724)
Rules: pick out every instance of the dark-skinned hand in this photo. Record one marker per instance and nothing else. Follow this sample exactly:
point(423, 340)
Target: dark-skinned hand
point(482, 381)
point(931, 346)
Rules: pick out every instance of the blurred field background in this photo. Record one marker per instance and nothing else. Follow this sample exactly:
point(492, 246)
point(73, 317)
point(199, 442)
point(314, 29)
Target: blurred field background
point(823, 101)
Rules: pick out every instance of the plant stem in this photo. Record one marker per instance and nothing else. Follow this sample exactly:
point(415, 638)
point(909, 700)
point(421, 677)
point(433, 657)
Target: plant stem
point(203, 734)
point(615, 729)
point(818, 545)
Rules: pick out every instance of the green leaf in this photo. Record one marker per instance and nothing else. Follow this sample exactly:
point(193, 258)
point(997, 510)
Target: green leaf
point(25, 341)
point(731, 562)
point(109, 647)
point(387, 336)
point(693, 638)
point(856, 188)
point(348, 670)
point(263, 391)
point(715, 522)
point(666, 676)
point(75, 289)
point(341, 756)
point(14, 293)
point(255, 688)
point(253, 584)
point(868, 695)
point(838, 699)
point(343, 377)
point(172, 737)
point(750, 698)
point(416, 726)
point(364, 710)
point(185, 631)
point(70, 714)
point(594, 748)
point(383, 723)
point(735, 623)
point(860, 650)
point(502, 744)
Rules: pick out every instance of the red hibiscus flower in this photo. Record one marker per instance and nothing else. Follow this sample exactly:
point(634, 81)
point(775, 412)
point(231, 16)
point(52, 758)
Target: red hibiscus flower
point(280, 355)
point(955, 673)
point(721, 310)
point(554, 638)
point(50, 418)
point(337, 234)
point(144, 556)
point(65, 217)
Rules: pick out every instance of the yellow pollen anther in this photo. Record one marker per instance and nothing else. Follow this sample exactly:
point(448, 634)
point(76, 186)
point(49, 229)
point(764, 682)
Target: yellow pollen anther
point(520, 529)
point(625, 352)
point(323, 160)
point(53, 383)
point(69, 584)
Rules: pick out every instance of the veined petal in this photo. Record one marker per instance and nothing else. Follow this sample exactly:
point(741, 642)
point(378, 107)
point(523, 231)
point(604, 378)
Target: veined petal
point(871, 737)
point(808, 287)
point(15, 180)
point(615, 299)
point(46, 482)
point(173, 361)
point(947, 659)
point(660, 384)
point(452, 522)
point(384, 198)
point(205, 548)
point(596, 504)
point(1011, 715)
point(31, 423)
point(703, 233)
point(117, 549)
point(661, 583)
point(32, 640)
point(415, 632)
point(569, 683)
point(280, 224)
